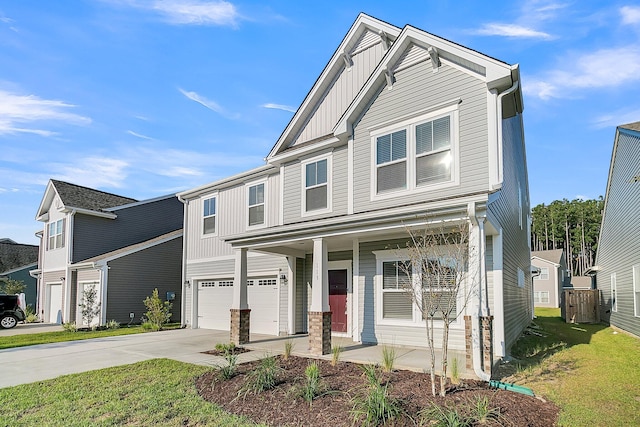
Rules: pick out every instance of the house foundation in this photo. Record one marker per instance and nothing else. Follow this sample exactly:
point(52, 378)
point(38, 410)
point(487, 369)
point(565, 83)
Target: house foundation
point(240, 319)
point(320, 332)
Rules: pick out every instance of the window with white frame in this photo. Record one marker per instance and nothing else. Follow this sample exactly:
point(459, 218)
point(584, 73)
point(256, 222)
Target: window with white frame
point(439, 284)
point(209, 216)
point(541, 297)
point(316, 188)
point(56, 234)
point(636, 290)
point(614, 293)
point(396, 303)
point(415, 153)
point(256, 205)
point(544, 274)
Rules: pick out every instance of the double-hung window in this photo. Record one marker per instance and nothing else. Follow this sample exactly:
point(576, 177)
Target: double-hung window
point(209, 216)
point(544, 274)
point(417, 154)
point(316, 185)
point(396, 285)
point(256, 205)
point(56, 234)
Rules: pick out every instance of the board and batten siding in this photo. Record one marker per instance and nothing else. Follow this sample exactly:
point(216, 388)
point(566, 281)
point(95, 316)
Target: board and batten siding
point(515, 238)
point(618, 248)
point(293, 185)
point(133, 277)
point(231, 217)
point(366, 55)
point(417, 88)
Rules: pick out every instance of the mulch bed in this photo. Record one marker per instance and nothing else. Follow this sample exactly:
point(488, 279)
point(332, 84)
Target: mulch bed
point(236, 351)
point(281, 407)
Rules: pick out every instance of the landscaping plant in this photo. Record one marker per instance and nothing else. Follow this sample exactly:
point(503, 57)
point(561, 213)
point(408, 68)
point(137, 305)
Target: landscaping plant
point(335, 354)
point(373, 406)
point(90, 306)
point(388, 358)
point(158, 312)
point(264, 377)
point(288, 348)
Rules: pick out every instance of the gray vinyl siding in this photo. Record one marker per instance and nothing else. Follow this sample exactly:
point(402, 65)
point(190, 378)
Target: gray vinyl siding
point(132, 278)
point(231, 218)
point(343, 89)
point(417, 88)
point(301, 296)
point(93, 236)
point(340, 256)
point(293, 193)
point(515, 247)
point(618, 248)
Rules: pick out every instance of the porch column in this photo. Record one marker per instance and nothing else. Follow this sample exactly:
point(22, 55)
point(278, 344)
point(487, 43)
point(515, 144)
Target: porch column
point(319, 314)
point(240, 312)
point(291, 294)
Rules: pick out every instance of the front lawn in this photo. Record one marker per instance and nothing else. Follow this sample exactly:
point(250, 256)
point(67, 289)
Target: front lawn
point(62, 336)
point(591, 371)
point(155, 392)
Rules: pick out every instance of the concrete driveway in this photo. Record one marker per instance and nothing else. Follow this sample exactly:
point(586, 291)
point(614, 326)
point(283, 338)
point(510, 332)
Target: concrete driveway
point(30, 328)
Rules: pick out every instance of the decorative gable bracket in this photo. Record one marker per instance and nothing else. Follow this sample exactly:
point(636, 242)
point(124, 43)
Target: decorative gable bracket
point(435, 58)
point(388, 75)
point(386, 40)
point(348, 61)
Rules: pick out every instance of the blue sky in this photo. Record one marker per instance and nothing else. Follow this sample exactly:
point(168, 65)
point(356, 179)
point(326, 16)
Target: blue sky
point(145, 98)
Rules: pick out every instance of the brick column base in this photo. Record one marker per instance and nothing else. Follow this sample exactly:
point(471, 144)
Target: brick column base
point(319, 332)
point(240, 325)
point(468, 341)
point(487, 343)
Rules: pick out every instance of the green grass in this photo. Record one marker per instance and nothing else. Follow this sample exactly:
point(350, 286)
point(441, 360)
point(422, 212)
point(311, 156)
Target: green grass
point(62, 336)
point(155, 392)
point(590, 371)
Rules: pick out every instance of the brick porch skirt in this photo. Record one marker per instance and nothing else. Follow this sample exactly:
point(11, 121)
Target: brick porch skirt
point(319, 332)
point(240, 320)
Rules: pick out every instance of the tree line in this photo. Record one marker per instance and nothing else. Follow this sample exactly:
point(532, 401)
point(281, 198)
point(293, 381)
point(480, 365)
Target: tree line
point(573, 226)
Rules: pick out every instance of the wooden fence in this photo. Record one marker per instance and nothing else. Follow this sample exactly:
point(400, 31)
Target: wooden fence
point(581, 306)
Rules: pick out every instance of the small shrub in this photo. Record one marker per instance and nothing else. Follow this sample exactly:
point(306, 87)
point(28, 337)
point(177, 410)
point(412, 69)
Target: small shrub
point(158, 311)
point(483, 412)
point(388, 358)
point(30, 315)
point(70, 327)
point(263, 377)
point(443, 417)
point(373, 406)
point(228, 371)
point(148, 326)
point(335, 354)
point(113, 324)
point(226, 349)
point(288, 348)
point(313, 385)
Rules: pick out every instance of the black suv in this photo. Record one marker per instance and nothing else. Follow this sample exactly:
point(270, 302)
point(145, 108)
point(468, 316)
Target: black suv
point(10, 311)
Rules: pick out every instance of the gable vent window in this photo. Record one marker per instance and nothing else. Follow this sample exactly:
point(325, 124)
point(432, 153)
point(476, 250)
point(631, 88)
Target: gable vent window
point(209, 216)
point(316, 185)
point(256, 205)
point(56, 234)
point(391, 161)
point(433, 151)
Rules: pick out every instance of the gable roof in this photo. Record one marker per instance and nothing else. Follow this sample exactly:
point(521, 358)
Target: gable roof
point(554, 256)
point(75, 196)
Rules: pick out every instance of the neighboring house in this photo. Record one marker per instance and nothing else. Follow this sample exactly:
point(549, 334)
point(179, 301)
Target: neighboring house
point(401, 129)
point(16, 260)
point(580, 282)
point(121, 247)
point(617, 266)
point(547, 286)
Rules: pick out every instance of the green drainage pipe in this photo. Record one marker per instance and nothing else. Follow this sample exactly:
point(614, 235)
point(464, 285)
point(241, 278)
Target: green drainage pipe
point(511, 387)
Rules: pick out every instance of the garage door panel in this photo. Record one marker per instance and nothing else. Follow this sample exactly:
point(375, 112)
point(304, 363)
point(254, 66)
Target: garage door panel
point(214, 301)
point(262, 298)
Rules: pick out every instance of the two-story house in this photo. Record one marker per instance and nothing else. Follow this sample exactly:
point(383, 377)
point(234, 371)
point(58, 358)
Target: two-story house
point(121, 247)
point(402, 129)
point(547, 286)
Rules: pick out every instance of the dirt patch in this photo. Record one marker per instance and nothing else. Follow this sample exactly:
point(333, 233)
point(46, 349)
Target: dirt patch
point(281, 406)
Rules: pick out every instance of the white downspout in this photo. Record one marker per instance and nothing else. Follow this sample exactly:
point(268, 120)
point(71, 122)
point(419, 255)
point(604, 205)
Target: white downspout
point(499, 120)
point(183, 295)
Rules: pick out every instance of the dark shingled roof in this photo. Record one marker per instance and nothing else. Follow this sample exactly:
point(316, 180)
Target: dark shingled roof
point(77, 196)
point(14, 255)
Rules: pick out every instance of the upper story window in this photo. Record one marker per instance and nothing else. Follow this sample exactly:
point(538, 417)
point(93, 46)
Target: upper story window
point(317, 185)
point(544, 274)
point(415, 154)
point(256, 204)
point(56, 234)
point(209, 216)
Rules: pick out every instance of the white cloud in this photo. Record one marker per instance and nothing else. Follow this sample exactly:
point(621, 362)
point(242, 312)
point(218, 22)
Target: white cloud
point(208, 103)
point(139, 135)
point(94, 172)
point(511, 30)
point(630, 15)
point(605, 68)
point(18, 111)
point(189, 12)
point(616, 118)
point(279, 107)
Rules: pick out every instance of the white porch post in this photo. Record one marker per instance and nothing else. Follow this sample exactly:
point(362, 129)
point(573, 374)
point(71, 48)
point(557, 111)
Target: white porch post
point(240, 311)
point(319, 314)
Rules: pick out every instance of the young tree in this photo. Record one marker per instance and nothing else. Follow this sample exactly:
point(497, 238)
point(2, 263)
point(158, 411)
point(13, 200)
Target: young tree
point(89, 306)
point(158, 312)
point(438, 265)
point(12, 286)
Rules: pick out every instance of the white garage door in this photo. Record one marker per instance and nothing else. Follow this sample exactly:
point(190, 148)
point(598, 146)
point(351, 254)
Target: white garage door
point(216, 296)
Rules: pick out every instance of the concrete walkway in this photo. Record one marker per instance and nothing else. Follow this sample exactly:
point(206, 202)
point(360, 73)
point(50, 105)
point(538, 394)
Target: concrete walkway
point(40, 362)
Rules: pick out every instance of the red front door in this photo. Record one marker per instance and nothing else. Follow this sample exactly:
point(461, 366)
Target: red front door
point(338, 300)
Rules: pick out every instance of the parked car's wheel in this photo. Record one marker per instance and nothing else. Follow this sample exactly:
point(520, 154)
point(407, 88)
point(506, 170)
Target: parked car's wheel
point(8, 322)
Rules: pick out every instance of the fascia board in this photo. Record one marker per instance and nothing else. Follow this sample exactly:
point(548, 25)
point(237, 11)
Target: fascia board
point(223, 183)
point(49, 194)
point(70, 209)
point(280, 158)
point(546, 260)
point(334, 65)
